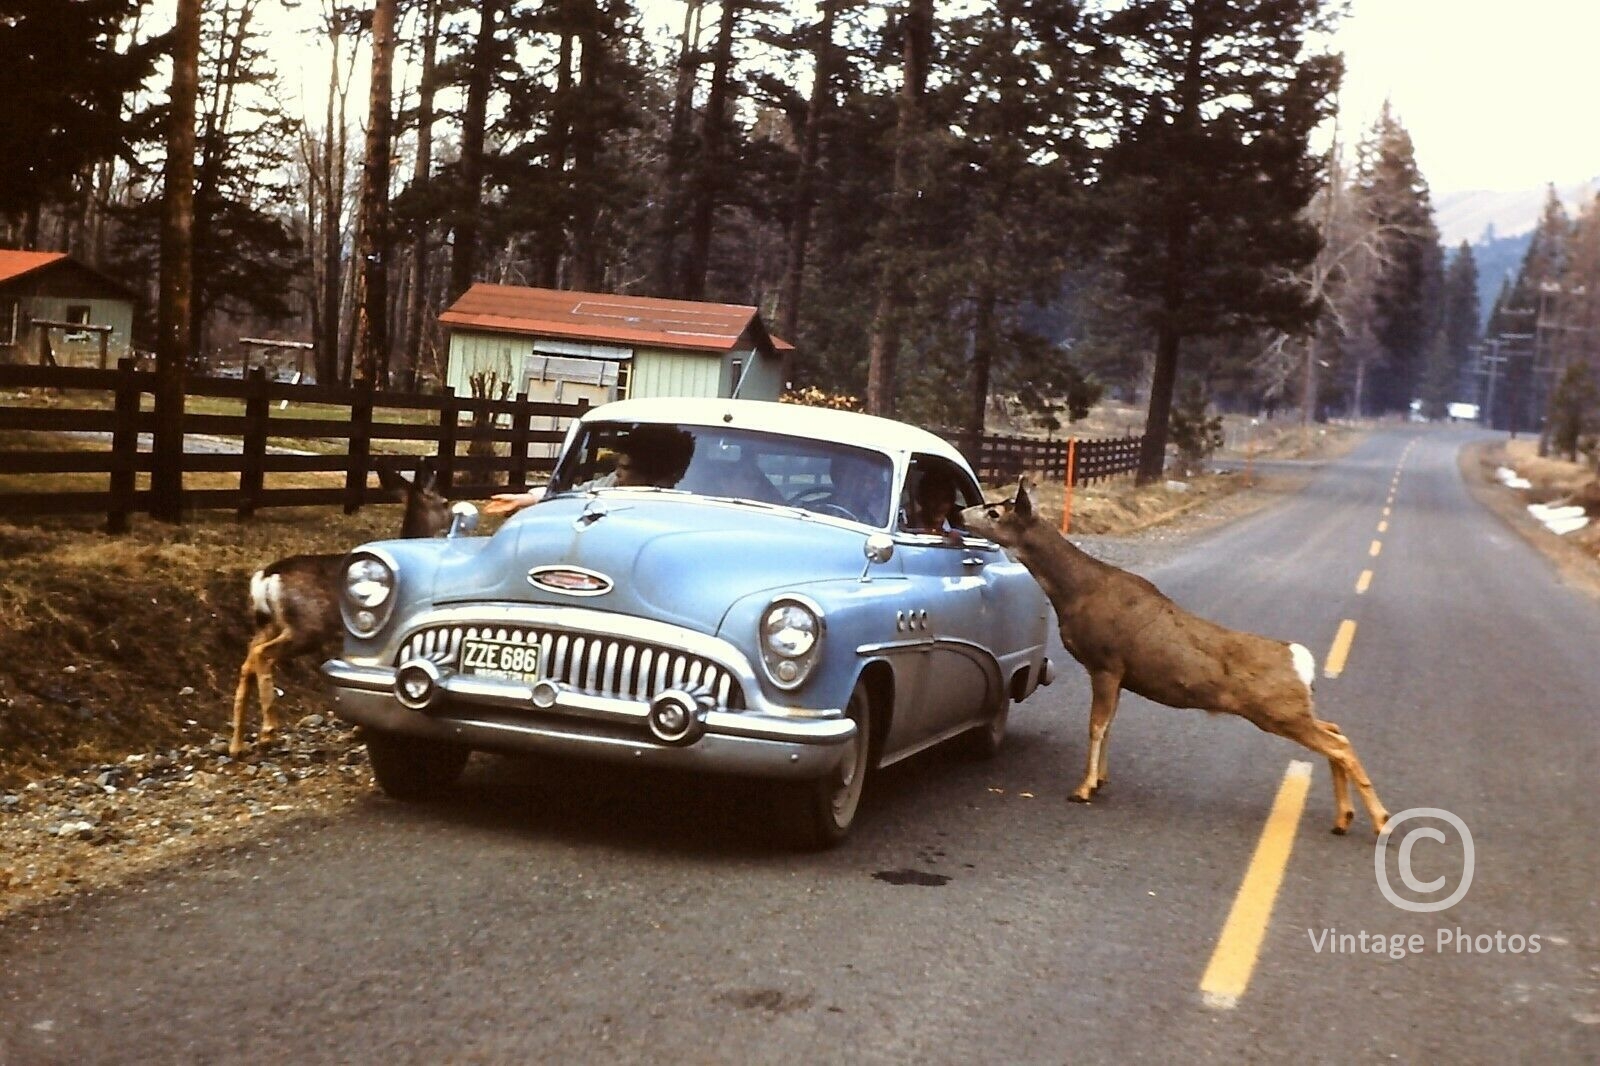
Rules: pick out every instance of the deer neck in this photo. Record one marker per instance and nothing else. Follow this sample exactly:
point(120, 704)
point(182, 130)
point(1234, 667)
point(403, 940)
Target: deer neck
point(1063, 570)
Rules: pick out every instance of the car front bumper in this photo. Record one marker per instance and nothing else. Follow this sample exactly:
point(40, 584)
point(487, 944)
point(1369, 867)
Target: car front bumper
point(506, 716)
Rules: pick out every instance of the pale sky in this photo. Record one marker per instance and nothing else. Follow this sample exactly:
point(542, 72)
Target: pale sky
point(1495, 93)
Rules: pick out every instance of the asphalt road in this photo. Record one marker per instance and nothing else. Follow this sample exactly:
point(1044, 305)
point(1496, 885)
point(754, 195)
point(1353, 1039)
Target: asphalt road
point(569, 914)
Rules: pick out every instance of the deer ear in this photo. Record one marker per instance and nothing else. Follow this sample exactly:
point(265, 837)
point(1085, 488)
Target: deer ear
point(391, 479)
point(1024, 505)
point(426, 475)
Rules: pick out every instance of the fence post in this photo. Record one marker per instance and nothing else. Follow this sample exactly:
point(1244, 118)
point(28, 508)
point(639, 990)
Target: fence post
point(1072, 477)
point(124, 447)
point(521, 423)
point(445, 467)
point(355, 479)
point(252, 473)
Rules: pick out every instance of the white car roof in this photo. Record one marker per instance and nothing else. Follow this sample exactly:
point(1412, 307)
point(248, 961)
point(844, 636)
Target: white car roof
point(797, 420)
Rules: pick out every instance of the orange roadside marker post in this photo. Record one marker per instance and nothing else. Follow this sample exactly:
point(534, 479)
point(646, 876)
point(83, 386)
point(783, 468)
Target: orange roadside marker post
point(1072, 470)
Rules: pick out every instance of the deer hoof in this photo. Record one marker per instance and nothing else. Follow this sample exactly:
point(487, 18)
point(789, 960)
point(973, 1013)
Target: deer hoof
point(1080, 797)
point(1339, 829)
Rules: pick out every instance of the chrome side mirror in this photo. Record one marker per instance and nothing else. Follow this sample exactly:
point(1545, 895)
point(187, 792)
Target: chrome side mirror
point(463, 519)
point(879, 548)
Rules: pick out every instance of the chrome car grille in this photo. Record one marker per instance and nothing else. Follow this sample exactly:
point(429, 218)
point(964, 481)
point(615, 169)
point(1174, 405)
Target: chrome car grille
point(595, 664)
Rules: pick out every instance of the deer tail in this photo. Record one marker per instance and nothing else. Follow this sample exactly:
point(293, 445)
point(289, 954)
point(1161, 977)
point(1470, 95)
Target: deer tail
point(1305, 664)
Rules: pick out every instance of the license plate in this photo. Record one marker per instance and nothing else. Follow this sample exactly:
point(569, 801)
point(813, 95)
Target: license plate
point(500, 659)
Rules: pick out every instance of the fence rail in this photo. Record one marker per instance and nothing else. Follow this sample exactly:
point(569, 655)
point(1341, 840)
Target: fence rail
point(523, 426)
point(997, 459)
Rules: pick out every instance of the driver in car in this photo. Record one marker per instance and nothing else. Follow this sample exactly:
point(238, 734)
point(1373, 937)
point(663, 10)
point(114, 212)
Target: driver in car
point(860, 487)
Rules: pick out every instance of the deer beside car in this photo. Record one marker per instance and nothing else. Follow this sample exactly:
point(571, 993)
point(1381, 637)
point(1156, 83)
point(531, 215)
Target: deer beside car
point(295, 600)
point(1129, 636)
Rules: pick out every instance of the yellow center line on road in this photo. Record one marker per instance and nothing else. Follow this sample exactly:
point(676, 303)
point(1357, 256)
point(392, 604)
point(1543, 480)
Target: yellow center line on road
point(1334, 666)
point(1386, 512)
point(1377, 546)
point(1363, 582)
point(1383, 527)
point(1234, 958)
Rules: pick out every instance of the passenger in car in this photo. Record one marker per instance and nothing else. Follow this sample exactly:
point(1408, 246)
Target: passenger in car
point(936, 505)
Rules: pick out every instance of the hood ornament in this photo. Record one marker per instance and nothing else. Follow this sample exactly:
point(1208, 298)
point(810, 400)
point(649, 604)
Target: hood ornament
point(570, 580)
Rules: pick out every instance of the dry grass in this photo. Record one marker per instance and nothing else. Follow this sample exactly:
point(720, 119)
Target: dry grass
point(1554, 480)
point(100, 636)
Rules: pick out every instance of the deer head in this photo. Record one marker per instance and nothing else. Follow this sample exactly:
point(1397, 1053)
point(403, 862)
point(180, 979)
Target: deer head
point(1005, 522)
point(427, 511)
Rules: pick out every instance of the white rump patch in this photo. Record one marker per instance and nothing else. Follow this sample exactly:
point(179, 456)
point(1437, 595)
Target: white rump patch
point(264, 593)
point(1305, 664)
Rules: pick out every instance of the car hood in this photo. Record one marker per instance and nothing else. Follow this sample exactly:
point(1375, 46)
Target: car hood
point(672, 558)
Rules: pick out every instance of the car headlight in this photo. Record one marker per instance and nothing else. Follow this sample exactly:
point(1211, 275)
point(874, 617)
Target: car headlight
point(368, 594)
point(790, 638)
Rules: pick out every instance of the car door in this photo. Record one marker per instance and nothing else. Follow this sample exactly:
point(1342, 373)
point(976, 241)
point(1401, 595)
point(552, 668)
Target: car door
point(949, 607)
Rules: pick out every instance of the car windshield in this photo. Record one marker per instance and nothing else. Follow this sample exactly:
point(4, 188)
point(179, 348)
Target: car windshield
point(820, 476)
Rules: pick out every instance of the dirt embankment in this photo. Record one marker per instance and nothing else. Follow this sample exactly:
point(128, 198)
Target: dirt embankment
point(1552, 481)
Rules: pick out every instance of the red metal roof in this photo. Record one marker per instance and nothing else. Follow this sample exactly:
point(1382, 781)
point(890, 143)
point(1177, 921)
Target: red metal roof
point(14, 264)
point(603, 317)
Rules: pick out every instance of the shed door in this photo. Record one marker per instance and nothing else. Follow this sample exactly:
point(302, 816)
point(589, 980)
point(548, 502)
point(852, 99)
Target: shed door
point(559, 390)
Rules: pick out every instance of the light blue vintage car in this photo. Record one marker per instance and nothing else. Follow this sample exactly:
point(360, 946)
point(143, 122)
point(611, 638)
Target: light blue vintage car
point(763, 608)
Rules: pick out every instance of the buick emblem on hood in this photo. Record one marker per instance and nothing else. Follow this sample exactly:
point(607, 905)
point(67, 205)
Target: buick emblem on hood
point(570, 580)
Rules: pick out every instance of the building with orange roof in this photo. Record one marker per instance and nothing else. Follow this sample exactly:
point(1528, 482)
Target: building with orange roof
point(563, 345)
point(56, 309)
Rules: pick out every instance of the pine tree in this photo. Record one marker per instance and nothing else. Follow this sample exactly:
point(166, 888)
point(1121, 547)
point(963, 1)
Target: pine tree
point(62, 84)
point(1407, 289)
point(1212, 172)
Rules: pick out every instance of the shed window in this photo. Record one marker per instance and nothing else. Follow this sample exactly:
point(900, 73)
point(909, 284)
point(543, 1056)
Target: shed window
point(9, 312)
point(79, 315)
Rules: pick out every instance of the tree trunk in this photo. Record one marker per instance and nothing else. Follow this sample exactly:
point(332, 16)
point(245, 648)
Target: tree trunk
point(713, 141)
point(372, 242)
point(177, 220)
point(586, 138)
point(463, 258)
point(333, 149)
point(549, 262)
point(664, 274)
point(894, 291)
point(794, 266)
point(231, 35)
point(983, 350)
point(416, 297)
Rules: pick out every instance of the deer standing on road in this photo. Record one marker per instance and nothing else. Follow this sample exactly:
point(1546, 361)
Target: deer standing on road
point(1130, 636)
point(296, 600)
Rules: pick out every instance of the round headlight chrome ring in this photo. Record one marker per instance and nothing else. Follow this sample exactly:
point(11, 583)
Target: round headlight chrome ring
point(789, 637)
point(367, 591)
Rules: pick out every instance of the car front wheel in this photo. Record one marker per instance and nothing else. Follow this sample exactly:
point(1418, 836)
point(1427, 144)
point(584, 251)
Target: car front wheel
point(821, 812)
point(411, 768)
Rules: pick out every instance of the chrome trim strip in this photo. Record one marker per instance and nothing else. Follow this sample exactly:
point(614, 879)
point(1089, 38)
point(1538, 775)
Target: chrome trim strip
point(821, 726)
point(712, 753)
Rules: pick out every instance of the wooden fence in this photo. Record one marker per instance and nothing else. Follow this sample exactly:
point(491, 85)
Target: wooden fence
point(519, 424)
point(998, 459)
point(528, 430)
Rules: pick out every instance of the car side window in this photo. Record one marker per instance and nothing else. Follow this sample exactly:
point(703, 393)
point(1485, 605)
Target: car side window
point(936, 491)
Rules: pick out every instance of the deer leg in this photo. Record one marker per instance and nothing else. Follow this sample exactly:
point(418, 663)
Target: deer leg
point(241, 696)
point(1341, 786)
point(1328, 741)
point(1107, 690)
point(258, 665)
